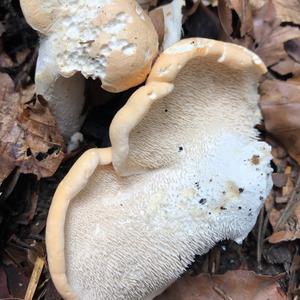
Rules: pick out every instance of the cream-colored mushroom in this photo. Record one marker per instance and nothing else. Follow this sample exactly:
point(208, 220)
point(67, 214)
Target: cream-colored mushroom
point(113, 41)
point(188, 170)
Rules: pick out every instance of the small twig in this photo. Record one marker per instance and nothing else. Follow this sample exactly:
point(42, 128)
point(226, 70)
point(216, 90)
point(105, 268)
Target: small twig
point(262, 228)
point(35, 277)
point(260, 237)
point(289, 208)
point(221, 293)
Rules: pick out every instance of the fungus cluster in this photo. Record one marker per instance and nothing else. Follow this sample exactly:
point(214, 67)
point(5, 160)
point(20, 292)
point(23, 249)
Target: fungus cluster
point(114, 41)
point(180, 176)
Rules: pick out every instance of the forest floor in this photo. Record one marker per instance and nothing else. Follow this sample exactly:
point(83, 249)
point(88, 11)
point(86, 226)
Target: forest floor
point(267, 262)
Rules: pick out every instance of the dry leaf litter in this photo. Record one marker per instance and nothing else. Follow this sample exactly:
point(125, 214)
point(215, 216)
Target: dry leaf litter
point(33, 156)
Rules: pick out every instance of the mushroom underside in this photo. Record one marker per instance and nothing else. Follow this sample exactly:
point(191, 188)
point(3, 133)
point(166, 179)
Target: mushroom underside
point(209, 99)
point(205, 177)
point(128, 237)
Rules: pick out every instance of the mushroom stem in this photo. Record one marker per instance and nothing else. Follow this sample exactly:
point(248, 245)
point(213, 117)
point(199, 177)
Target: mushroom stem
point(65, 96)
point(72, 184)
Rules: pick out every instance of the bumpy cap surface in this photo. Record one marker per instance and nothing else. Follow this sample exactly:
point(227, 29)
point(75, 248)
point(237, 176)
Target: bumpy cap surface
point(110, 40)
point(113, 40)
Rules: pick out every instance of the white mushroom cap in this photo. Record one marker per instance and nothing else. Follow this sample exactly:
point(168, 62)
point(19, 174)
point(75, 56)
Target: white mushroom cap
point(203, 177)
point(110, 40)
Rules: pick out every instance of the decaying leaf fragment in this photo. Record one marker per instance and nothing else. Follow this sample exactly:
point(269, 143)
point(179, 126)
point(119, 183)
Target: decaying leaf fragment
point(230, 285)
point(29, 137)
point(261, 30)
point(270, 36)
point(283, 208)
point(280, 104)
point(286, 10)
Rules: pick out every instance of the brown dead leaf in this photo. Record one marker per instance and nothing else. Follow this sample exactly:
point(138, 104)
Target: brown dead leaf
point(287, 66)
point(158, 20)
point(243, 10)
point(286, 10)
point(279, 179)
point(283, 236)
point(284, 214)
point(235, 285)
point(29, 137)
point(242, 32)
point(225, 16)
point(280, 104)
point(259, 27)
point(6, 85)
point(270, 36)
point(292, 47)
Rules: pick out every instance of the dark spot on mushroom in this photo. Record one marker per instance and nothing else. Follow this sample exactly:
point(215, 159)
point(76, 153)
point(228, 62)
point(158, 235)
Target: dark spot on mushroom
point(179, 256)
point(250, 209)
point(241, 190)
point(223, 208)
point(166, 110)
point(261, 198)
point(223, 192)
point(202, 201)
point(239, 207)
point(197, 184)
point(250, 214)
point(121, 204)
point(210, 180)
point(255, 160)
point(209, 213)
point(180, 148)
